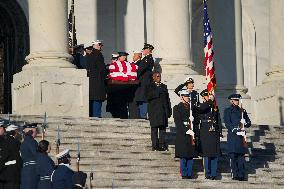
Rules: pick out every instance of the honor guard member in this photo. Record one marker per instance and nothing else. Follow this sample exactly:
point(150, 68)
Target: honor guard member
point(61, 177)
point(45, 165)
point(184, 144)
point(14, 161)
point(28, 152)
point(159, 108)
point(4, 154)
point(235, 118)
point(144, 74)
point(79, 180)
point(189, 84)
point(210, 133)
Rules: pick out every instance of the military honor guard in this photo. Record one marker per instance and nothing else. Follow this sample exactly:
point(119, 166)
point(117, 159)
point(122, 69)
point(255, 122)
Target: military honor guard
point(236, 120)
point(79, 180)
point(159, 108)
point(97, 74)
point(45, 165)
point(13, 163)
point(28, 149)
point(4, 155)
point(185, 135)
point(61, 178)
point(210, 133)
point(144, 74)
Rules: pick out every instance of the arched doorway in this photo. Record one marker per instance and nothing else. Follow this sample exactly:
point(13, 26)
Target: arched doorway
point(14, 47)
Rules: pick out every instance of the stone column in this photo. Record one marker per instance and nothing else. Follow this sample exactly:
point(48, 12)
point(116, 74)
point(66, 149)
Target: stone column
point(276, 71)
point(48, 34)
point(49, 82)
point(172, 35)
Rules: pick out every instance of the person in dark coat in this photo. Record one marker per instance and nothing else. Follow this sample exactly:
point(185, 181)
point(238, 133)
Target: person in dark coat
point(61, 177)
point(159, 108)
point(28, 149)
point(210, 133)
point(79, 180)
point(78, 57)
point(185, 135)
point(4, 155)
point(97, 74)
point(13, 163)
point(45, 165)
point(144, 74)
point(234, 118)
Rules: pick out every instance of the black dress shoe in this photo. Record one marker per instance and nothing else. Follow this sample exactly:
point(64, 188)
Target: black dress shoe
point(241, 179)
point(212, 178)
point(184, 177)
point(155, 149)
point(235, 178)
point(163, 148)
point(189, 177)
point(207, 177)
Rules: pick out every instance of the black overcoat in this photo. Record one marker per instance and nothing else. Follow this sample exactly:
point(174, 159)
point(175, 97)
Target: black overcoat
point(144, 74)
point(159, 105)
point(183, 143)
point(97, 74)
point(210, 140)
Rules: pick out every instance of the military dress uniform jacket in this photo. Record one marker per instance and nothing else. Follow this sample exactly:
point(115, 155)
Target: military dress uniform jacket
point(28, 149)
point(183, 144)
point(97, 74)
point(62, 177)
point(45, 167)
point(144, 74)
point(3, 158)
point(159, 105)
point(210, 140)
point(232, 118)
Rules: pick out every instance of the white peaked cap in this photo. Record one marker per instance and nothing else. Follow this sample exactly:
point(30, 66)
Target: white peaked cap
point(183, 92)
point(97, 42)
point(12, 127)
point(62, 154)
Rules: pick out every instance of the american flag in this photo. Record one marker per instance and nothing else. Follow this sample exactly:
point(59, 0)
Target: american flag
point(208, 53)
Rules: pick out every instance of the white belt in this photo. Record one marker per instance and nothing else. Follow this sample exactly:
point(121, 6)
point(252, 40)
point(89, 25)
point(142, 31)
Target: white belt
point(45, 178)
point(12, 162)
point(29, 163)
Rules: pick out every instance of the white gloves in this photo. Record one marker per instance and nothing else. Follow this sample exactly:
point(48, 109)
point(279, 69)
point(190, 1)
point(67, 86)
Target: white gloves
point(191, 118)
point(211, 97)
point(190, 132)
point(241, 133)
point(243, 121)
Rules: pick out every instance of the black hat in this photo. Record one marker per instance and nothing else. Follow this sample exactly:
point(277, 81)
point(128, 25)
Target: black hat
point(122, 53)
point(235, 97)
point(204, 93)
point(89, 48)
point(30, 125)
point(189, 80)
point(78, 46)
point(148, 46)
point(79, 178)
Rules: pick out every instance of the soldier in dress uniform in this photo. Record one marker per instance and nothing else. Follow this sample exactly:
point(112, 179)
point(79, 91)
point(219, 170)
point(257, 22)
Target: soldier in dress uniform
point(185, 135)
point(45, 165)
point(210, 133)
point(28, 151)
point(14, 160)
point(4, 153)
point(79, 180)
point(61, 177)
point(235, 118)
point(159, 108)
point(144, 74)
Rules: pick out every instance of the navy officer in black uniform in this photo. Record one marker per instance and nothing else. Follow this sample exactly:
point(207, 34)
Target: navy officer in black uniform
point(61, 177)
point(28, 151)
point(210, 133)
point(234, 117)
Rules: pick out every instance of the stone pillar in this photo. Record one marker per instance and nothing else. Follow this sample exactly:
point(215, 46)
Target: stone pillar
point(269, 95)
point(49, 82)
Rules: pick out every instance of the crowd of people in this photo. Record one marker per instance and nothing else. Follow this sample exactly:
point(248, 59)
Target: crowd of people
point(132, 90)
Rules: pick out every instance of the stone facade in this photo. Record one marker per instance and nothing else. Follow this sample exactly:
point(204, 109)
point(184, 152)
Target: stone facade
point(246, 36)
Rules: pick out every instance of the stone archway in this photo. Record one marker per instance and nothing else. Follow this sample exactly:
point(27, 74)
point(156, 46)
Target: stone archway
point(14, 47)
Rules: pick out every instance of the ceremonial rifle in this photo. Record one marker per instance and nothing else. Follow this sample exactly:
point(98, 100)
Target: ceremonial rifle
point(57, 140)
point(91, 178)
point(242, 127)
point(78, 156)
point(190, 123)
point(44, 126)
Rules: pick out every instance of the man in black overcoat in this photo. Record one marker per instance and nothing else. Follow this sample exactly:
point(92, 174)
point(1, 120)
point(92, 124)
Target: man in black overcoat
point(210, 133)
point(97, 74)
point(185, 135)
point(144, 74)
point(159, 108)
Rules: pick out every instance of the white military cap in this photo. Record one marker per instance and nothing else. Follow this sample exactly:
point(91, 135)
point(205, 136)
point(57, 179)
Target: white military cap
point(137, 51)
point(2, 123)
point(97, 42)
point(114, 55)
point(183, 93)
point(12, 127)
point(63, 154)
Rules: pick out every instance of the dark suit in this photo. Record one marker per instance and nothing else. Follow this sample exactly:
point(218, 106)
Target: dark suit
point(62, 177)
point(236, 148)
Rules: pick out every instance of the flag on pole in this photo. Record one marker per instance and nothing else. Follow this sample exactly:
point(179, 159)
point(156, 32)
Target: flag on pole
point(72, 40)
point(209, 54)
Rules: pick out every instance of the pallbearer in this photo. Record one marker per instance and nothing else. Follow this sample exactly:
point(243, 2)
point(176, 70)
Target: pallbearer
point(236, 119)
point(185, 135)
point(210, 133)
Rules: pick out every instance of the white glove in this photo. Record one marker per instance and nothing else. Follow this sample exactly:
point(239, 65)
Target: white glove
point(191, 118)
point(211, 97)
point(243, 121)
point(190, 132)
point(186, 79)
point(241, 133)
